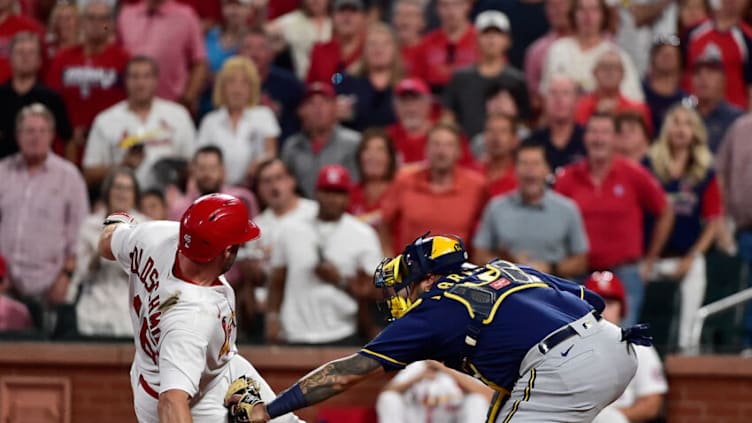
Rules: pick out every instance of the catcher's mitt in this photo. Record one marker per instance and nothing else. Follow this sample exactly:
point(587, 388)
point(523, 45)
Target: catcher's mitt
point(242, 395)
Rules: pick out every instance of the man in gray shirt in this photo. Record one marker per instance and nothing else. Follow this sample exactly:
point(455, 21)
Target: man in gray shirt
point(321, 142)
point(533, 225)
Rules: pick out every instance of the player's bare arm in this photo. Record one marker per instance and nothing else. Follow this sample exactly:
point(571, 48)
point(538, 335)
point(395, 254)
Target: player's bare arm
point(173, 407)
point(337, 376)
point(105, 242)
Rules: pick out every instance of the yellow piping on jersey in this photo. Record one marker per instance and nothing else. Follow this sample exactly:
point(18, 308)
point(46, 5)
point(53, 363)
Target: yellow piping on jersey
point(582, 292)
point(495, 409)
point(463, 301)
point(503, 296)
point(382, 356)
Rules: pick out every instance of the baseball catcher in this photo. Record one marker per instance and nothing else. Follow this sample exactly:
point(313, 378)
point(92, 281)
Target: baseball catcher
point(536, 339)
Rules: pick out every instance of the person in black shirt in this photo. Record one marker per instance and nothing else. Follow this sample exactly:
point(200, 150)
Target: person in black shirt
point(561, 136)
point(24, 89)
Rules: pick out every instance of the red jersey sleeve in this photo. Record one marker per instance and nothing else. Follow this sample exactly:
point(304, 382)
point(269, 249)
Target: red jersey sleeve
point(651, 195)
point(585, 107)
point(712, 205)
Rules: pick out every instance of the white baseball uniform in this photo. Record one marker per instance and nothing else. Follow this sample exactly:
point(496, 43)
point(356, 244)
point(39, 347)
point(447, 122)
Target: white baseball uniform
point(184, 333)
point(437, 400)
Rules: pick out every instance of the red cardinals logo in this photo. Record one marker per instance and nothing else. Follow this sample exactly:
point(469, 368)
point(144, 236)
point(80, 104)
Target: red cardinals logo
point(227, 326)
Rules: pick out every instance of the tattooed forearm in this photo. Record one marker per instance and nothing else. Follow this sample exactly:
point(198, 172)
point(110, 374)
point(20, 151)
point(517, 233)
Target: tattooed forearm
point(336, 376)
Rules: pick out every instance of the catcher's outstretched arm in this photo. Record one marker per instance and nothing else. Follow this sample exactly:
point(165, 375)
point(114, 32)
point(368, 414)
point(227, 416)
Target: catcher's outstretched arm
point(337, 376)
point(326, 381)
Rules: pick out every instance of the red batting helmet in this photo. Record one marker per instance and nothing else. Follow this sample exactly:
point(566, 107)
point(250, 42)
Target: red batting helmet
point(608, 286)
point(213, 223)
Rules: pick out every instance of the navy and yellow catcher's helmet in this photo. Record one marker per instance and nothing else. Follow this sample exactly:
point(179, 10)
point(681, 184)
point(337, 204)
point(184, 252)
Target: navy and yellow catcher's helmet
point(438, 254)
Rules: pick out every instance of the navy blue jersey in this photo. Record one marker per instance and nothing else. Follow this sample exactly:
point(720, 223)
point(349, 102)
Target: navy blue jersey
point(528, 306)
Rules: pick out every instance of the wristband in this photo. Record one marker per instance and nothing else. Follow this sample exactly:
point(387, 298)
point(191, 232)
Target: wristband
point(290, 400)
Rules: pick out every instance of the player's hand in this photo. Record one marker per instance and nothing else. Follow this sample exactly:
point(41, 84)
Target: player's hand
point(327, 272)
point(243, 401)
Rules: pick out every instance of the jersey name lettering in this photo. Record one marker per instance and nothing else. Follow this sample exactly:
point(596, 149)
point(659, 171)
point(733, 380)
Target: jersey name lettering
point(148, 275)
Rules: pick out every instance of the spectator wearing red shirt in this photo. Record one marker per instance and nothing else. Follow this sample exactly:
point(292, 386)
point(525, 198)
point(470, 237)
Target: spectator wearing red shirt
point(729, 38)
point(682, 162)
point(607, 97)
point(500, 139)
point(10, 25)
point(415, 118)
point(441, 196)
point(614, 195)
point(89, 76)
point(450, 47)
point(171, 34)
point(346, 46)
point(377, 164)
point(412, 104)
point(409, 22)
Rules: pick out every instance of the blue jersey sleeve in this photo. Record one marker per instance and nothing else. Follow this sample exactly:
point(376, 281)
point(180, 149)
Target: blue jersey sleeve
point(407, 339)
point(580, 291)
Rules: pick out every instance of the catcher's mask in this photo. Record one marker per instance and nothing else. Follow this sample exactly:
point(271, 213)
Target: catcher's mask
point(423, 257)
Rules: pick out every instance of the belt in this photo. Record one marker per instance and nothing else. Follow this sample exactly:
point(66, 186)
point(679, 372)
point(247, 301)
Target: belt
point(561, 335)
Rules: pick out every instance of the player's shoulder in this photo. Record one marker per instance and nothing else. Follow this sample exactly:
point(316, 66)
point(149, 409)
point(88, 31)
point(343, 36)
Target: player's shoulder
point(155, 233)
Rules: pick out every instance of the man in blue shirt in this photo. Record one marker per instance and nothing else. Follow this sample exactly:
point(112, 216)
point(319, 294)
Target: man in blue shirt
point(538, 340)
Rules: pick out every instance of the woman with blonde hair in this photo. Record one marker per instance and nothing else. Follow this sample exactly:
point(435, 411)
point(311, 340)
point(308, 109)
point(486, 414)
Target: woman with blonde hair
point(62, 28)
point(245, 131)
point(682, 162)
point(364, 97)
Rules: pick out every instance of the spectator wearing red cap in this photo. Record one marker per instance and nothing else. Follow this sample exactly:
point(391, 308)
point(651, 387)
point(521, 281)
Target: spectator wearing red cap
point(322, 140)
point(415, 118)
point(300, 29)
point(10, 25)
point(144, 28)
point(448, 48)
point(320, 269)
point(346, 46)
point(608, 96)
point(440, 196)
point(614, 195)
point(409, 23)
point(89, 75)
point(643, 399)
point(727, 37)
point(709, 82)
point(14, 316)
point(365, 95)
point(412, 104)
point(470, 84)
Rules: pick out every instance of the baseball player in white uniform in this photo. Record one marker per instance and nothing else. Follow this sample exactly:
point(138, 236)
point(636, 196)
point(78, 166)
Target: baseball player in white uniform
point(183, 310)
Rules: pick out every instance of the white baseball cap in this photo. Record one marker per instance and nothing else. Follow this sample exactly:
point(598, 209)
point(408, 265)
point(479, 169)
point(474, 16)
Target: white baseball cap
point(492, 19)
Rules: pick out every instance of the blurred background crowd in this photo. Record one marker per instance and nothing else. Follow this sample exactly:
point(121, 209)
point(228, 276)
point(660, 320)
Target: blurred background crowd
point(573, 136)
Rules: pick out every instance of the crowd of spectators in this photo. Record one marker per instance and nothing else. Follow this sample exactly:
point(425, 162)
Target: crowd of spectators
point(571, 136)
